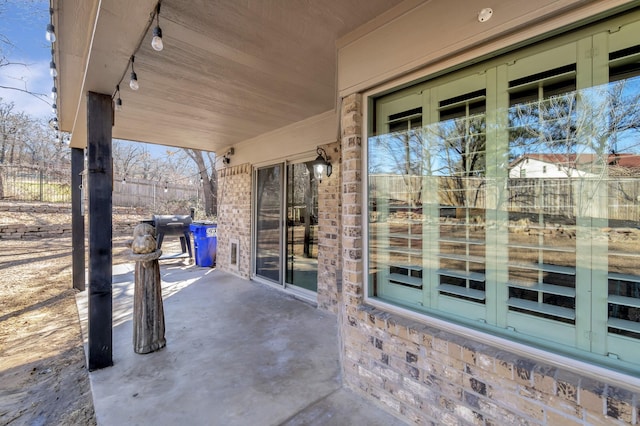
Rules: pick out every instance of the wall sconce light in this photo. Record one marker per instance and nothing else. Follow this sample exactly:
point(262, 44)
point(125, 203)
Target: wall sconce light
point(225, 158)
point(321, 164)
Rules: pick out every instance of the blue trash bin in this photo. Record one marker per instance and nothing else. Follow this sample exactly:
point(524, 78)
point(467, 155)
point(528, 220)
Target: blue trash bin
point(204, 242)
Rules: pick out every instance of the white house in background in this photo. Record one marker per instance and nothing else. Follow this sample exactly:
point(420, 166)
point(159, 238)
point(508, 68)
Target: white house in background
point(569, 165)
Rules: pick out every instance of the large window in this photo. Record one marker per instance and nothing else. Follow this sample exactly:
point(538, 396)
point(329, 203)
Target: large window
point(506, 196)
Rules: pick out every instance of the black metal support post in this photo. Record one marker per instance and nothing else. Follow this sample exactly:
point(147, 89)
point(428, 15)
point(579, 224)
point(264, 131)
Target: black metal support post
point(77, 218)
point(100, 182)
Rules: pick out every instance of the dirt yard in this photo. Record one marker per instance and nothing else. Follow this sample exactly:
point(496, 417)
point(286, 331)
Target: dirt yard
point(42, 364)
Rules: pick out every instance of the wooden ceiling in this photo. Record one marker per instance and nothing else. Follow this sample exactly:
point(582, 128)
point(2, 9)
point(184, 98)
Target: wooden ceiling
point(230, 69)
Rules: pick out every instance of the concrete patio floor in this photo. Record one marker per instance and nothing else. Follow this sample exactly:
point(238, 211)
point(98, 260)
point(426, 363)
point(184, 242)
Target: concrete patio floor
point(238, 353)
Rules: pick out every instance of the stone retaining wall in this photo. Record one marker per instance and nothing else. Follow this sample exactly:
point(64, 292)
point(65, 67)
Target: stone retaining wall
point(19, 231)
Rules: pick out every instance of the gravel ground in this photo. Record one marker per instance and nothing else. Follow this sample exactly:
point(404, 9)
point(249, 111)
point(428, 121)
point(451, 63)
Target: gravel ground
point(42, 363)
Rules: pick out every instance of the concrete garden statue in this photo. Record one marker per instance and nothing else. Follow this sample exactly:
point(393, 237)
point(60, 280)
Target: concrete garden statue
point(148, 312)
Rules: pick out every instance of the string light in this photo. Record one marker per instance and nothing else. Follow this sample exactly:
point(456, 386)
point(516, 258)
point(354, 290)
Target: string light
point(156, 41)
point(118, 100)
point(52, 69)
point(133, 83)
point(166, 186)
point(51, 31)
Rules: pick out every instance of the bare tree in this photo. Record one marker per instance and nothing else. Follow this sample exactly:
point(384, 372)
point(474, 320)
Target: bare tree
point(208, 178)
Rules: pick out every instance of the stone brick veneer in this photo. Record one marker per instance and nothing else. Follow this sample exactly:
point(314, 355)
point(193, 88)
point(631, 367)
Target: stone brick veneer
point(426, 375)
point(329, 248)
point(58, 230)
point(234, 218)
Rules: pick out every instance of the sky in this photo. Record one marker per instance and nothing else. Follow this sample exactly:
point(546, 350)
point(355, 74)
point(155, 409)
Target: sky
point(24, 23)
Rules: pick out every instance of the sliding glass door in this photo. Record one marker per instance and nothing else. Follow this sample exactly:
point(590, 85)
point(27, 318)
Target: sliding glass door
point(302, 227)
point(286, 242)
point(269, 223)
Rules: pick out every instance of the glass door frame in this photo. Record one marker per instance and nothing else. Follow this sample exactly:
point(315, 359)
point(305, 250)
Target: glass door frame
point(283, 285)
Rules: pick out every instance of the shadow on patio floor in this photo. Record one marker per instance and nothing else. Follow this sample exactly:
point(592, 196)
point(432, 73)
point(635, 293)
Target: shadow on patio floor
point(238, 353)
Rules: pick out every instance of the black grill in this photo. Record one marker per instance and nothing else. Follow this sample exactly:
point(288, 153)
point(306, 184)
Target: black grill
point(173, 225)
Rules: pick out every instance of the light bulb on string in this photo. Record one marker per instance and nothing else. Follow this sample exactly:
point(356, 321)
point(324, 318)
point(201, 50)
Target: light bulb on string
point(52, 69)
point(133, 83)
point(54, 93)
point(201, 180)
point(118, 100)
point(166, 187)
point(156, 41)
point(54, 108)
point(51, 31)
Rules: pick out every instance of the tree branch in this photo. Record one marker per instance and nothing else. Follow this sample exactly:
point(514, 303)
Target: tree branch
point(35, 95)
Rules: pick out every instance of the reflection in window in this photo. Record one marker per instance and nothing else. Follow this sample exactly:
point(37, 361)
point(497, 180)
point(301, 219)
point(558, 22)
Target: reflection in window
point(395, 187)
point(461, 149)
point(542, 223)
point(621, 129)
point(517, 207)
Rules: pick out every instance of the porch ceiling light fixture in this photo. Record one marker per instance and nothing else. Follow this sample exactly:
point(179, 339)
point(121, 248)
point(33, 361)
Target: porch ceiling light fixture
point(133, 83)
point(156, 41)
point(485, 14)
point(321, 164)
point(51, 31)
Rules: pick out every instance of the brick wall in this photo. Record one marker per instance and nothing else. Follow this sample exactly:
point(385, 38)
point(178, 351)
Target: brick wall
point(425, 375)
point(234, 218)
point(329, 247)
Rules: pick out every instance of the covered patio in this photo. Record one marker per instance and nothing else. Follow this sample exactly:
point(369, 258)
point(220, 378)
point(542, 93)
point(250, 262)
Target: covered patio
point(419, 319)
point(238, 352)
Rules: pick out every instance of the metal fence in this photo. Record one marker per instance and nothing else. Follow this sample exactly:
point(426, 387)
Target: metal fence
point(34, 183)
point(53, 185)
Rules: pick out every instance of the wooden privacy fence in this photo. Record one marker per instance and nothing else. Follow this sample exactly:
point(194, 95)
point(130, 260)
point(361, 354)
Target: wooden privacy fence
point(53, 185)
point(619, 197)
point(157, 196)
